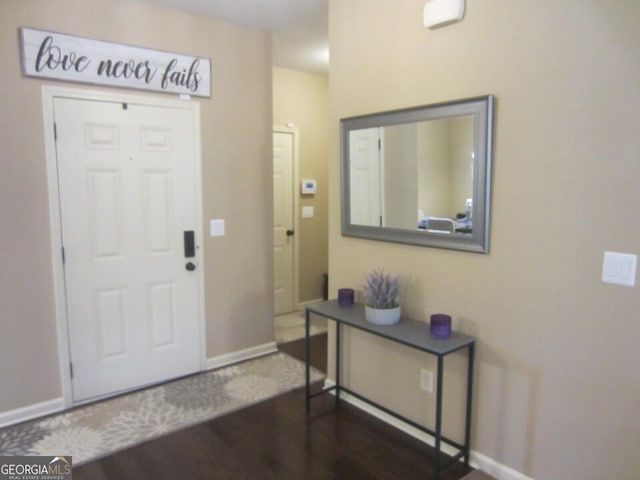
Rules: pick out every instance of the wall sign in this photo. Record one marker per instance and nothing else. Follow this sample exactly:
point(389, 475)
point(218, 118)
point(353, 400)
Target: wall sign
point(78, 59)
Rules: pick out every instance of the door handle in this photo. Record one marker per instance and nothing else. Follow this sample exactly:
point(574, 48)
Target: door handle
point(289, 233)
point(189, 244)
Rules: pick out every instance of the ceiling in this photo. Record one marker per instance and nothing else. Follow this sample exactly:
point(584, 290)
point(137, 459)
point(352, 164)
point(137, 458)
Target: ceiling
point(299, 27)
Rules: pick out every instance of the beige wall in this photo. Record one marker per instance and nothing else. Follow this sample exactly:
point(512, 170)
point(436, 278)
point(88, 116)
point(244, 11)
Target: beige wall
point(302, 99)
point(435, 179)
point(461, 141)
point(236, 163)
point(557, 395)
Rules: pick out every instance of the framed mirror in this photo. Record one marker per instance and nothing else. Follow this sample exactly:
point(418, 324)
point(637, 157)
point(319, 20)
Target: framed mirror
point(420, 176)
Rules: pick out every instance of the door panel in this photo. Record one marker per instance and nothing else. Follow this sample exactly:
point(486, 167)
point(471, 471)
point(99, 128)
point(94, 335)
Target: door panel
point(283, 244)
point(162, 299)
point(106, 216)
point(127, 181)
point(157, 188)
point(112, 327)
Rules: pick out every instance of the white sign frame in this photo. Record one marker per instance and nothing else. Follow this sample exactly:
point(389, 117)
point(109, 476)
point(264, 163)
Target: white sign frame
point(77, 59)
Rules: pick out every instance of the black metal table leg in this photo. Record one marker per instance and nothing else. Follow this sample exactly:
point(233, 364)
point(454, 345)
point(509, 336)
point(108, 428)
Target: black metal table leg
point(307, 358)
point(438, 432)
point(338, 330)
point(467, 428)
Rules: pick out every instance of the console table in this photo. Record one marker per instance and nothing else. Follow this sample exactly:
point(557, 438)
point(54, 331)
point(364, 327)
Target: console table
point(413, 334)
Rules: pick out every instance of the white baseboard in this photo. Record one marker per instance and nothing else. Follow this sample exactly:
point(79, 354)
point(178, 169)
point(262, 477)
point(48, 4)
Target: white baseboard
point(498, 470)
point(30, 412)
point(477, 460)
point(241, 355)
point(303, 305)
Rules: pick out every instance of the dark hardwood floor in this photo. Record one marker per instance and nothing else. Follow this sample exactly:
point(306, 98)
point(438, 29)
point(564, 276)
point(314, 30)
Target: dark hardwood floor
point(318, 356)
point(276, 439)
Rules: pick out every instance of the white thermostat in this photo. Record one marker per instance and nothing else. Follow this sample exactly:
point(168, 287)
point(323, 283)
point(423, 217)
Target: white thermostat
point(308, 186)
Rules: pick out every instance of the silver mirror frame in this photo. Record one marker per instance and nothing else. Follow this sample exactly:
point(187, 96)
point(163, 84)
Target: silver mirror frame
point(482, 108)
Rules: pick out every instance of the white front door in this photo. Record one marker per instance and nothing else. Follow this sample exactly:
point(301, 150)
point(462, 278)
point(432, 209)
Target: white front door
point(365, 177)
point(128, 178)
point(283, 222)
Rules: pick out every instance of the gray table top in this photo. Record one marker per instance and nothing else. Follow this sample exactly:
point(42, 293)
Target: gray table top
point(407, 331)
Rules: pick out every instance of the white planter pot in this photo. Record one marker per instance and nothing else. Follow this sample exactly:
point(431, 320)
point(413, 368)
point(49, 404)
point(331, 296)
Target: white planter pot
point(382, 316)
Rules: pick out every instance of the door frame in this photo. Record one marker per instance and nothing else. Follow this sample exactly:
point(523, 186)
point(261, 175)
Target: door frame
point(296, 205)
point(49, 93)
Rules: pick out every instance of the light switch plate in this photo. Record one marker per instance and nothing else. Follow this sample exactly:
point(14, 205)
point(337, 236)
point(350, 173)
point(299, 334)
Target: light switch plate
point(619, 268)
point(307, 212)
point(216, 228)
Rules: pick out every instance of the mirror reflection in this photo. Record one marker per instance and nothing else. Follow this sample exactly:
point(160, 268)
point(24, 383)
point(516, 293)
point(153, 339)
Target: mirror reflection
point(414, 175)
point(419, 175)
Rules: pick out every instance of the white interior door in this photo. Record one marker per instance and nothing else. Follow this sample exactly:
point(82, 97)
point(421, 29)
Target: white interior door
point(128, 190)
point(283, 222)
point(365, 177)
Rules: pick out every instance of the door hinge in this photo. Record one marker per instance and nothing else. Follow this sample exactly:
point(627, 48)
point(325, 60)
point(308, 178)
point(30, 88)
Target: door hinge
point(64, 257)
point(71, 369)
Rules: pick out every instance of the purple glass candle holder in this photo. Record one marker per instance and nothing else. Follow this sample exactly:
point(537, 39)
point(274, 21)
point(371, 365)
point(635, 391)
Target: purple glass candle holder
point(346, 297)
point(440, 325)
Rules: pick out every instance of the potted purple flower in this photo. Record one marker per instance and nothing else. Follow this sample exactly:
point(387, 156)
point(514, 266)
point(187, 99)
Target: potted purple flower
point(381, 298)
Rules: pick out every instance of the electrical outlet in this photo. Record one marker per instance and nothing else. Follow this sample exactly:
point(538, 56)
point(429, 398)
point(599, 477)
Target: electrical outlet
point(426, 380)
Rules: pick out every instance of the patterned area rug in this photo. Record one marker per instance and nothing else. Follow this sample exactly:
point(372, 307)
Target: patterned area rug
point(105, 427)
